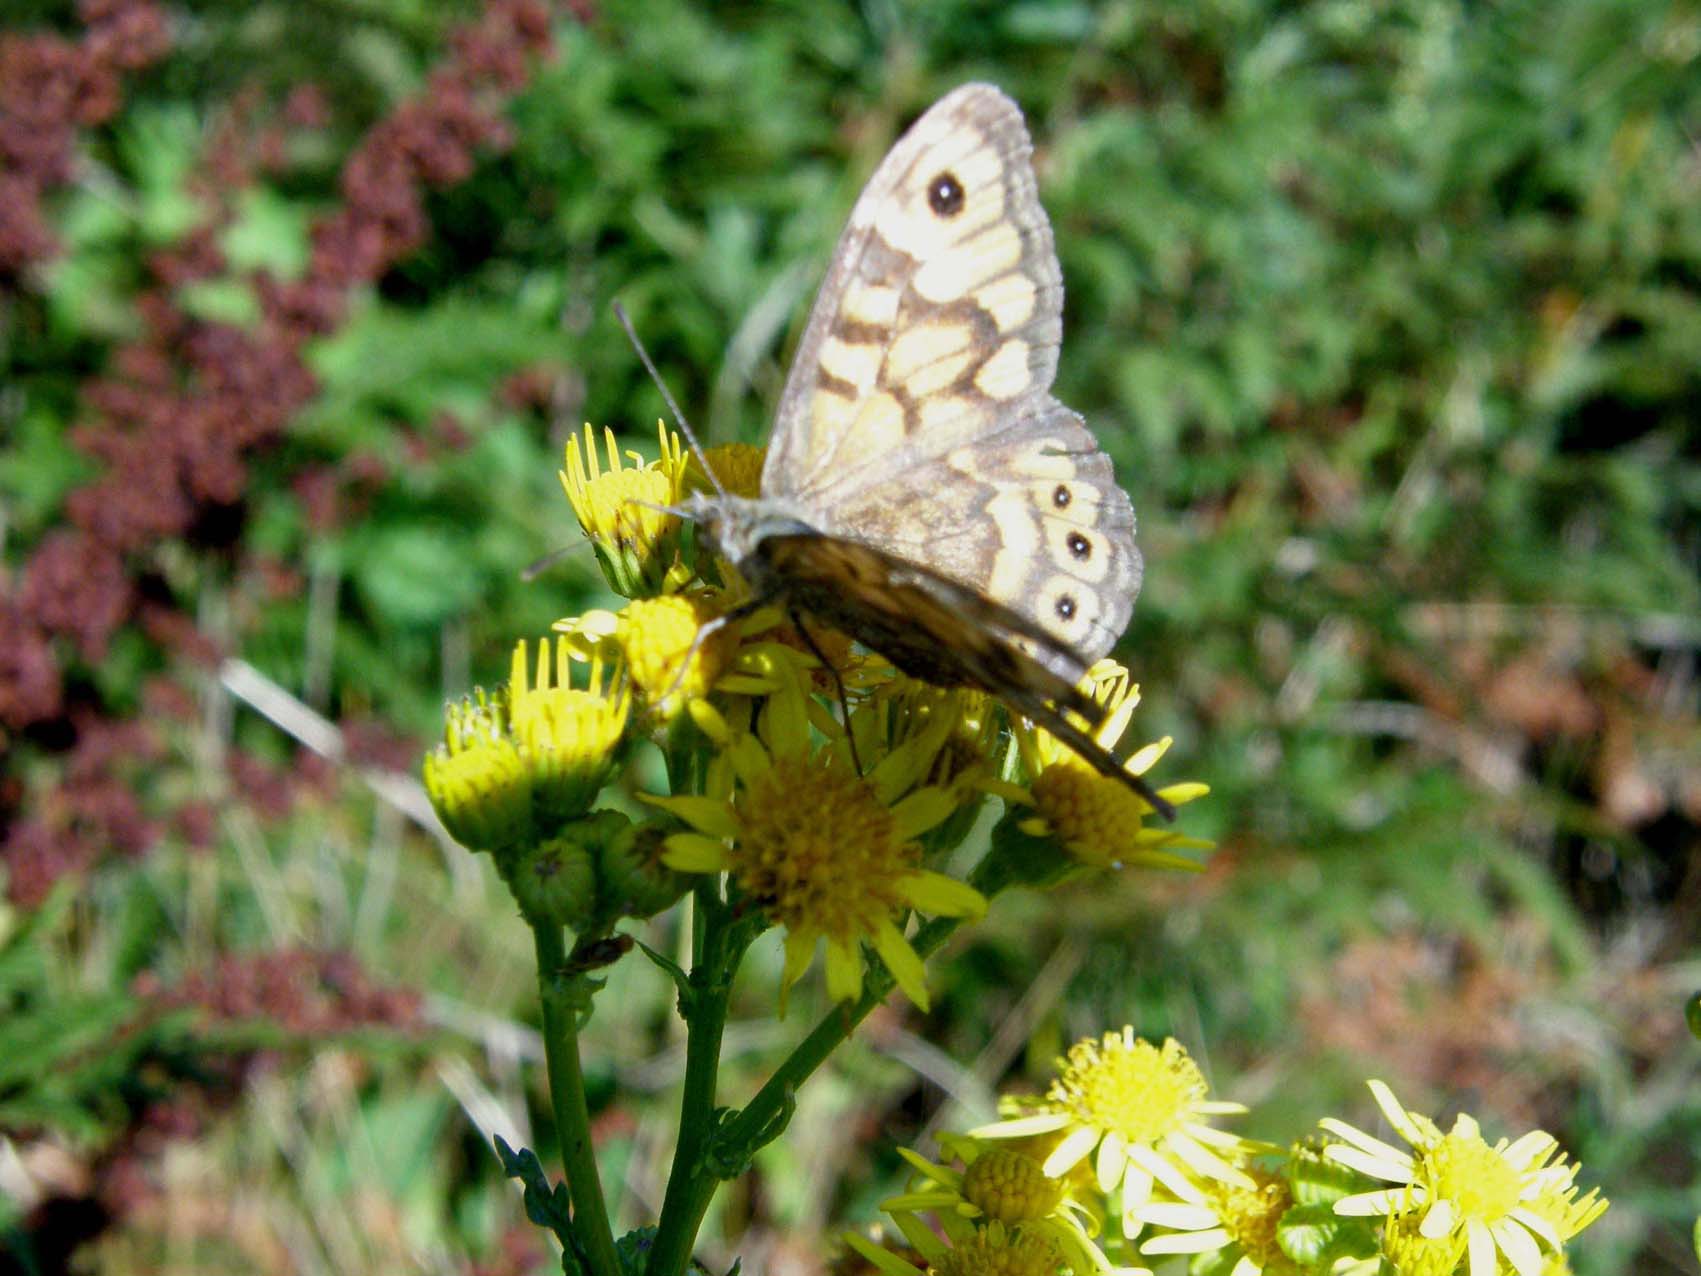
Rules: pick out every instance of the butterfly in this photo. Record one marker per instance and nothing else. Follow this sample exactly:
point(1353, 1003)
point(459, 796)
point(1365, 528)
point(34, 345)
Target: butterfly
point(923, 492)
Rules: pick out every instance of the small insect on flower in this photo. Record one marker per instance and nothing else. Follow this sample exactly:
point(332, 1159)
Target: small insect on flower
point(1458, 1193)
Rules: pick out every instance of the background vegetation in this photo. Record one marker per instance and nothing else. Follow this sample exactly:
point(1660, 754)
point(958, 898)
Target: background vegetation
point(1389, 314)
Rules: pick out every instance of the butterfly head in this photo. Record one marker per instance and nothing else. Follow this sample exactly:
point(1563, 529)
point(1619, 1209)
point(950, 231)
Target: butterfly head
point(736, 527)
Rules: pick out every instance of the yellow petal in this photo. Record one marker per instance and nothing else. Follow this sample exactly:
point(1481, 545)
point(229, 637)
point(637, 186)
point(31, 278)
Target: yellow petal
point(709, 721)
point(922, 810)
point(1071, 1151)
point(902, 961)
point(706, 815)
point(844, 971)
point(942, 896)
point(882, 1260)
point(1023, 1127)
point(694, 853)
point(800, 951)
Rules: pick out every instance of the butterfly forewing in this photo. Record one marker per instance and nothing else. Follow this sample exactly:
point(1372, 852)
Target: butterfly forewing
point(941, 313)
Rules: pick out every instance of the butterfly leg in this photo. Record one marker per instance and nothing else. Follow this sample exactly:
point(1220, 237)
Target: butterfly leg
point(838, 682)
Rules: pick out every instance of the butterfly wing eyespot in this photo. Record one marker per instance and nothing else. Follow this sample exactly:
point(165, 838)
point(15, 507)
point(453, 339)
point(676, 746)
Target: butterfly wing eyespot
point(945, 195)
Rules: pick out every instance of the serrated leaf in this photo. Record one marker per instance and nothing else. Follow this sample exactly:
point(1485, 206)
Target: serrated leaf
point(546, 1205)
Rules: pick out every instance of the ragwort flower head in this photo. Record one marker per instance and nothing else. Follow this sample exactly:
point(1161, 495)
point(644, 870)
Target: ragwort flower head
point(476, 779)
point(621, 509)
point(569, 737)
point(1507, 1200)
point(1097, 820)
point(1241, 1222)
point(993, 1250)
point(674, 647)
point(1141, 1111)
point(997, 1184)
point(519, 763)
point(829, 854)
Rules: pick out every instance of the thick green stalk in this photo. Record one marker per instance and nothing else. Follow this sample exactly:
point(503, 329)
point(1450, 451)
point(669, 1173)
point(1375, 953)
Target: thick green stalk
point(763, 1118)
point(691, 1182)
point(755, 1124)
point(567, 1098)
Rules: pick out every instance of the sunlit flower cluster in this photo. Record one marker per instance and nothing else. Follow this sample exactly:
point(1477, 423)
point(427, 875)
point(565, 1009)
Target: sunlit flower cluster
point(811, 788)
point(1125, 1130)
point(1505, 1206)
point(814, 783)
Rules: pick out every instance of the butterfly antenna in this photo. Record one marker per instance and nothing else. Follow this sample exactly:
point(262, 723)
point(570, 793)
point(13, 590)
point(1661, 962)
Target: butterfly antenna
point(538, 566)
point(667, 398)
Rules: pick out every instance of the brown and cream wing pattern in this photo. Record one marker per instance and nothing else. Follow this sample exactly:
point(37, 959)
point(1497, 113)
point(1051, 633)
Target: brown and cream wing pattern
point(940, 316)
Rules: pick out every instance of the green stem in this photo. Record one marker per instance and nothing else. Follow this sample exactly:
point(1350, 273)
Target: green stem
point(691, 1187)
point(691, 1182)
point(567, 1098)
point(756, 1123)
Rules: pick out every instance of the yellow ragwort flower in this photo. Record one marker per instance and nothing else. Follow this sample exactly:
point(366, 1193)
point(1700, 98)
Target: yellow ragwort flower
point(569, 738)
point(1141, 1111)
point(1241, 1221)
point(830, 855)
point(668, 657)
point(993, 1250)
point(998, 1184)
point(1503, 1200)
point(621, 510)
point(1094, 818)
point(478, 784)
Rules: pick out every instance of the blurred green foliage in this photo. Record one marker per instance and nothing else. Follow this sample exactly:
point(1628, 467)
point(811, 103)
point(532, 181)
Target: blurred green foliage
point(1390, 316)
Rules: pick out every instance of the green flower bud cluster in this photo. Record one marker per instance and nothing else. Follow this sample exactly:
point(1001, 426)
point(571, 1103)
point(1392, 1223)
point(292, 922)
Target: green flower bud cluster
point(596, 870)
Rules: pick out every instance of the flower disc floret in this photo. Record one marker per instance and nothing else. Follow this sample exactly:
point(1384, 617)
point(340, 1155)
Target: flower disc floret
point(1007, 1186)
point(835, 864)
point(1133, 1089)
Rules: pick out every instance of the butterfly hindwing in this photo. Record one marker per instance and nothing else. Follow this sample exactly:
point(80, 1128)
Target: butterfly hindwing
point(935, 629)
point(1030, 517)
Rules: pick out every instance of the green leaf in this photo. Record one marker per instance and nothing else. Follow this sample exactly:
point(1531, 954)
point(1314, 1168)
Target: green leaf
point(546, 1205)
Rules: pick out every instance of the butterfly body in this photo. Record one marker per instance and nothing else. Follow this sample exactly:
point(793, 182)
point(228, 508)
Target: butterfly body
point(923, 492)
